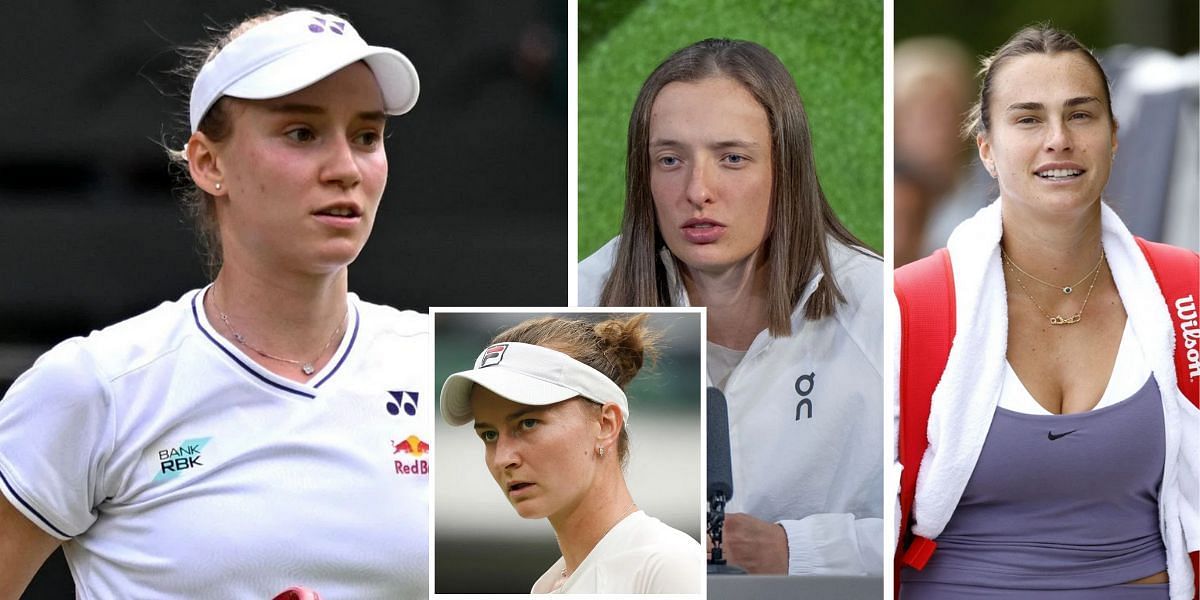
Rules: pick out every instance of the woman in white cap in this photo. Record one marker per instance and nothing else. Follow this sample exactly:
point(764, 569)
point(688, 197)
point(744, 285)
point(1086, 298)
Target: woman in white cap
point(546, 399)
point(241, 439)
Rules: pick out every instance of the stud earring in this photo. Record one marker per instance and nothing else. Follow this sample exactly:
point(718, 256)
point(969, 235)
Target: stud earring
point(218, 186)
point(600, 451)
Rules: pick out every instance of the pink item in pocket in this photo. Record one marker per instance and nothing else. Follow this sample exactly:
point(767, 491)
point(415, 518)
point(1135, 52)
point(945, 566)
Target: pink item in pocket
point(297, 593)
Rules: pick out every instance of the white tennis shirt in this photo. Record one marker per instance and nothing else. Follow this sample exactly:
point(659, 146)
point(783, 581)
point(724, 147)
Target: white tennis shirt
point(172, 465)
point(639, 555)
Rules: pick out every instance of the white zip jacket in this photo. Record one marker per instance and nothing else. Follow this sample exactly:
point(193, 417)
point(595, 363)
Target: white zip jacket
point(806, 418)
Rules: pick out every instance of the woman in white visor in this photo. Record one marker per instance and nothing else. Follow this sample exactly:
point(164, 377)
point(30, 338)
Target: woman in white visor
point(239, 440)
point(546, 399)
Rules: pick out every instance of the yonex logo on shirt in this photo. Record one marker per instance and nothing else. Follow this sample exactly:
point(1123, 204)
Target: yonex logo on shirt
point(172, 462)
point(402, 399)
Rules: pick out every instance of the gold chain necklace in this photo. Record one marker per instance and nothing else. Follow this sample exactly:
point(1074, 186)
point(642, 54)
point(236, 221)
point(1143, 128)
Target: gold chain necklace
point(1066, 289)
point(306, 366)
point(1057, 319)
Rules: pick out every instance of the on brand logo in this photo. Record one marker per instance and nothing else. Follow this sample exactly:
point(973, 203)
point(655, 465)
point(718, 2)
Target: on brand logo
point(804, 387)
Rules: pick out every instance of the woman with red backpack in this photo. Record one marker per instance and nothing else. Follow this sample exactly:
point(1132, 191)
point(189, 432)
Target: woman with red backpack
point(1047, 418)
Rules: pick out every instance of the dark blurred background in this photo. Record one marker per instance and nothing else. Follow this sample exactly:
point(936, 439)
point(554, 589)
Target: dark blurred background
point(1148, 48)
point(475, 207)
point(481, 545)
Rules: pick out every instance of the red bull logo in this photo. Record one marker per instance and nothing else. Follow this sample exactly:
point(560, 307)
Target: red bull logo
point(414, 448)
point(410, 445)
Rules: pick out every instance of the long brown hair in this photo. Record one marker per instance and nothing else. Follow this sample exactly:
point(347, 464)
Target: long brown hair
point(801, 218)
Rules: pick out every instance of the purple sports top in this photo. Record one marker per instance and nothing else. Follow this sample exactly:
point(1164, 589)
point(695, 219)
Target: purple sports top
point(1057, 502)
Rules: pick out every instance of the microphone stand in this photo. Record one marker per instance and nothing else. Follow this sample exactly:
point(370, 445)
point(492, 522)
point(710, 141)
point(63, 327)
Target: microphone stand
point(716, 527)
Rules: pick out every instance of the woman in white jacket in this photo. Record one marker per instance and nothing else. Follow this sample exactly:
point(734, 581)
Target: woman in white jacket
point(723, 209)
point(1062, 459)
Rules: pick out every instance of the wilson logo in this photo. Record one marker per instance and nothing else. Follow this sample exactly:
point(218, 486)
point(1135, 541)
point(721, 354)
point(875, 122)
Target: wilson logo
point(1185, 311)
point(174, 461)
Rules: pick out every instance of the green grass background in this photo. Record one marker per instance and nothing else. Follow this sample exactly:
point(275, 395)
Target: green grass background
point(833, 48)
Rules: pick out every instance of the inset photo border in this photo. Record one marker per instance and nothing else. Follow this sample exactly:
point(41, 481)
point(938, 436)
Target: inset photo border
point(481, 544)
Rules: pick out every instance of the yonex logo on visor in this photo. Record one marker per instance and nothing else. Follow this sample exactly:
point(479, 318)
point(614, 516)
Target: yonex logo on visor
point(320, 24)
point(293, 51)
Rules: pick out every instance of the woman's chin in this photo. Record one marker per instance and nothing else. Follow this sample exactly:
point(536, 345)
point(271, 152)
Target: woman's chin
point(530, 510)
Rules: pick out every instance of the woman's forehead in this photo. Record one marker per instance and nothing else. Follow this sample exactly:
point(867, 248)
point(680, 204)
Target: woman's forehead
point(494, 409)
point(1040, 77)
point(719, 108)
point(352, 89)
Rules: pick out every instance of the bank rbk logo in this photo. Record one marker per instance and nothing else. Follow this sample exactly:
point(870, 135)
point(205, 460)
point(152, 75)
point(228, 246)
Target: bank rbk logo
point(177, 460)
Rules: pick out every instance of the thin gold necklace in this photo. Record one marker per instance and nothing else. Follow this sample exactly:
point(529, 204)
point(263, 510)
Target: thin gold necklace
point(1066, 289)
point(306, 366)
point(1058, 319)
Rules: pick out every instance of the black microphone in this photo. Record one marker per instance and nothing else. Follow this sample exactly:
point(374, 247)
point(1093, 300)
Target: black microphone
point(720, 475)
point(720, 479)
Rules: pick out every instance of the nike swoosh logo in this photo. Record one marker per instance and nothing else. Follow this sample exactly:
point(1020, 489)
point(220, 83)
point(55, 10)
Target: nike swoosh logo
point(1052, 436)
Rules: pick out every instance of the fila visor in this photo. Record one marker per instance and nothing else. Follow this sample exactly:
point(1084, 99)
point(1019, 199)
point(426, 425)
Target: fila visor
point(528, 374)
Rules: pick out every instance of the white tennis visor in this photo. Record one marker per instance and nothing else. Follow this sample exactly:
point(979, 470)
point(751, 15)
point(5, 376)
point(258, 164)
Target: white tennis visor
point(527, 374)
point(293, 51)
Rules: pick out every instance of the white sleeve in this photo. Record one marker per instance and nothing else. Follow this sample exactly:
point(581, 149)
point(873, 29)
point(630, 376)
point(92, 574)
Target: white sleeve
point(834, 544)
point(677, 570)
point(592, 273)
point(56, 434)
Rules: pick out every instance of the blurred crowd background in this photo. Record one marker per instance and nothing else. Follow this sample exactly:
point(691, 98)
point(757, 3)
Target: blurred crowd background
point(93, 233)
point(481, 544)
point(1148, 50)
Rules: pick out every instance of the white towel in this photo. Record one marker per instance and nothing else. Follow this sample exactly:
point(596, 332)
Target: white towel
point(965, 399)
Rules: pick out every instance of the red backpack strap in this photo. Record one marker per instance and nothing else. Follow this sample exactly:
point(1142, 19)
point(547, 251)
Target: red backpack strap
point(925, 295)
point(1178, 273)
